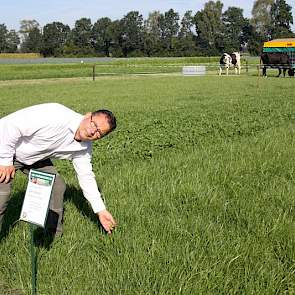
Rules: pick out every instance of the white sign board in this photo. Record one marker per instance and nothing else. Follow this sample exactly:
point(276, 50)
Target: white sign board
point(37, 197)
point(194, 70)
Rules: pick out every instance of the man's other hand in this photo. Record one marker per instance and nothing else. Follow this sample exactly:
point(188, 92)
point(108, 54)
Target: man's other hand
point(6, 173)
point(107, 221)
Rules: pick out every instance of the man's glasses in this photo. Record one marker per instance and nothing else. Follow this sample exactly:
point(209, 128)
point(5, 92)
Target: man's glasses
point(94, 126)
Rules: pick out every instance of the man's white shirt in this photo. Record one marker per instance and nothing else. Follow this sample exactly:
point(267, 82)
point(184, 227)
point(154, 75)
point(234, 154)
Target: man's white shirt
point(47, 131)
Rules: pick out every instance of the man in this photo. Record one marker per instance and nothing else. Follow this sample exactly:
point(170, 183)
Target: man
point(30, 137)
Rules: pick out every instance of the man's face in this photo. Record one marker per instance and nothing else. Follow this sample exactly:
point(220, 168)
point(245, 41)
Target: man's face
point(92, 127)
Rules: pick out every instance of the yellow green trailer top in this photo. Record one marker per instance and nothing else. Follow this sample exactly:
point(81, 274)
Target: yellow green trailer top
point(286, 45)
point(279, 45)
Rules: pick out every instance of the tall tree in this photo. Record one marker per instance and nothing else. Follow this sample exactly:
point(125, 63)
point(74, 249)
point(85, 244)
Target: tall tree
point(82, 36)
point(234, 22)
point(251, 39)
point(3, 35)
point(281, 19)
point(102, 36)
point(30, 33)
point(169, 29)
point(33, 41)
point(116, 32)
point(9, 40)
point(186, 39)
point(152, 34)
point(12, 41)
point(54, 38)
point(26, 26)
point(187, 23)
point(261, 18)
point(209, 28)
point(132, 29)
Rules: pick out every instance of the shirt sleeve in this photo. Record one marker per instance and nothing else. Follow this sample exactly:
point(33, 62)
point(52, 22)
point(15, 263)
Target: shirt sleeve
point(87, 182)
point(9, 136)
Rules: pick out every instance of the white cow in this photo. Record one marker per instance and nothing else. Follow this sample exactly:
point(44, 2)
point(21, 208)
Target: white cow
point(230, 60)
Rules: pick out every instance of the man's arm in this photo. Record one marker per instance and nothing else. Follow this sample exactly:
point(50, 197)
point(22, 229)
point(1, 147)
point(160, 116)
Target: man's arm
point(9, 136)
point(90, 190)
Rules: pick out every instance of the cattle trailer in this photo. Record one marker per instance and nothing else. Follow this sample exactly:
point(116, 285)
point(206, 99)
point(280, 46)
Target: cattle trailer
point(286, 45)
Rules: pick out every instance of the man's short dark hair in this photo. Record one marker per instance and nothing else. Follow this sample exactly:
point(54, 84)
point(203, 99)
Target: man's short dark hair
point(110, 117)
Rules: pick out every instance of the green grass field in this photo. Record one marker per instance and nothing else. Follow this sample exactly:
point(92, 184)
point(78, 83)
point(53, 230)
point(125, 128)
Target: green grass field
point(115, 67)
point(199, 175)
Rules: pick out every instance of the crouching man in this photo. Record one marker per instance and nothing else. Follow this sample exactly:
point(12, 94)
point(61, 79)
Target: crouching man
point(30, 137)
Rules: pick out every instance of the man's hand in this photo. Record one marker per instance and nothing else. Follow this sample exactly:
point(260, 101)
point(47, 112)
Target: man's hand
point(6, 173)
point(107, 221)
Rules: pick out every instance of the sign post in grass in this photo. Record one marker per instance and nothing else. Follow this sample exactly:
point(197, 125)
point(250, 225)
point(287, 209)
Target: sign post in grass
point(33, 260)
point(35, 209)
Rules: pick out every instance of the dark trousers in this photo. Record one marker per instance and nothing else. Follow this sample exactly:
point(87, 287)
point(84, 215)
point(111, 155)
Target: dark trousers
point(55, 214)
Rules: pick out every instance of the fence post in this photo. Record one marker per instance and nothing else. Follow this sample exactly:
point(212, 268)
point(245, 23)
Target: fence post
point(93, 72)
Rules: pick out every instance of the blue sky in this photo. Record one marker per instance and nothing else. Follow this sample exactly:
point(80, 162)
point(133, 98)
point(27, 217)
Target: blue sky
point(68, 11)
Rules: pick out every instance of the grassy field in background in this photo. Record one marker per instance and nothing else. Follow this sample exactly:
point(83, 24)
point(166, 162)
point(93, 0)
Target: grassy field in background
point(114, 67)
point(199, 175)
point(124, 66)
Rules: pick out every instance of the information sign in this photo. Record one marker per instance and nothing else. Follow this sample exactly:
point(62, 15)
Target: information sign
point(37, 197)
point(194, 70)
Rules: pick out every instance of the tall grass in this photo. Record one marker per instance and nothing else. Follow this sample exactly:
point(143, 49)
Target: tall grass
point(199, 175)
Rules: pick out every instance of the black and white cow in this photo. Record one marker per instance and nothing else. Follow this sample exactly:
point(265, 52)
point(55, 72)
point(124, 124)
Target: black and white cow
point(277, 60)
point(230, 60)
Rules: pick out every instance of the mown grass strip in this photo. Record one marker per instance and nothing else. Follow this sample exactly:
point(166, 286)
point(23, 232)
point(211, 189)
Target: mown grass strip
point(20, 55)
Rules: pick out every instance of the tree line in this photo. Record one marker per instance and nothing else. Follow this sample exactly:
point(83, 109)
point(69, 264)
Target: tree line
point(209, 31)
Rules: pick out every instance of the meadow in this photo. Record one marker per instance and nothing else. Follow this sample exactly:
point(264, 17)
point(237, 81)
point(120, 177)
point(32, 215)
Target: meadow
point(112, 67)
point(199, 175)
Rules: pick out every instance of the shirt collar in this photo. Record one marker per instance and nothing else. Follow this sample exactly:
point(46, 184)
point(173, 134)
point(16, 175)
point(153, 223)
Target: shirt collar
point(75, 122)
